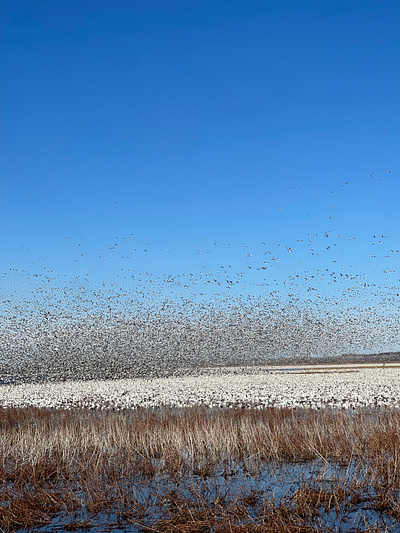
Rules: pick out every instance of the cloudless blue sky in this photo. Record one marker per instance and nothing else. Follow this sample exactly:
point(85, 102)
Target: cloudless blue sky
point(187, 128)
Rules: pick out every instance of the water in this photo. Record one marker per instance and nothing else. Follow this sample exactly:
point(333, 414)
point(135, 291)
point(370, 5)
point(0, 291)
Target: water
point(278, 483)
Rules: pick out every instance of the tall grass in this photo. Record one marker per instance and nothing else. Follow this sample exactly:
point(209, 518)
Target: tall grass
point(196, 469)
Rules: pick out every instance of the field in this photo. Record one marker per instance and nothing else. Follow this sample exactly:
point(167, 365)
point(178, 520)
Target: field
point(302, 449)
point(315, 386)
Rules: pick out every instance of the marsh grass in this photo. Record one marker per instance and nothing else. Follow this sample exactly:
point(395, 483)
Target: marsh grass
point(199, 469)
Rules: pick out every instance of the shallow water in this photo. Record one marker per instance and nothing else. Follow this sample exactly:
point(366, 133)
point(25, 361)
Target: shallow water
point(276, 483)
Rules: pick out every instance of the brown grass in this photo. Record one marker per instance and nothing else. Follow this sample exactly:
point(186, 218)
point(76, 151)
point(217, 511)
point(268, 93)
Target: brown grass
point(197, 469)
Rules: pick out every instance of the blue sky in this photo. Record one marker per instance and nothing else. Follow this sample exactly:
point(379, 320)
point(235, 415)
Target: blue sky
point(196, 135)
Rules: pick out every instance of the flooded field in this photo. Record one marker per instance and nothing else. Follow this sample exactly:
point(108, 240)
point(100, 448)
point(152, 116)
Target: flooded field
point(305, 448)
point(200, 469)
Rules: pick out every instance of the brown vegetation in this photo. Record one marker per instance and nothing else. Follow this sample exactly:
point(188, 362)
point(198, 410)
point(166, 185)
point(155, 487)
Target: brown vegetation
point(199, 469)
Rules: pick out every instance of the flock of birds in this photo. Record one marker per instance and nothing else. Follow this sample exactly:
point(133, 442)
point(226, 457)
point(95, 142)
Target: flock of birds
point(256, 387)
point(245, 303)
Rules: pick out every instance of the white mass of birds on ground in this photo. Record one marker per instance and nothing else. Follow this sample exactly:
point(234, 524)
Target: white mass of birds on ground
point(228, 388)
point(125, 311)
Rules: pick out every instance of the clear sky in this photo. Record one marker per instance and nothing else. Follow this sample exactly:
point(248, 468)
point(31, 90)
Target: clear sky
point(248, 141)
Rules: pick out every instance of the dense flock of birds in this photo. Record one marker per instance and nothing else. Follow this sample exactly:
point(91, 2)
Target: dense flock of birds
point(231, 388)
point(119, 313)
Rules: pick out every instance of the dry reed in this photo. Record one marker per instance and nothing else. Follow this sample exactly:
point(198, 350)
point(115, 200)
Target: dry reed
point(197, 469)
